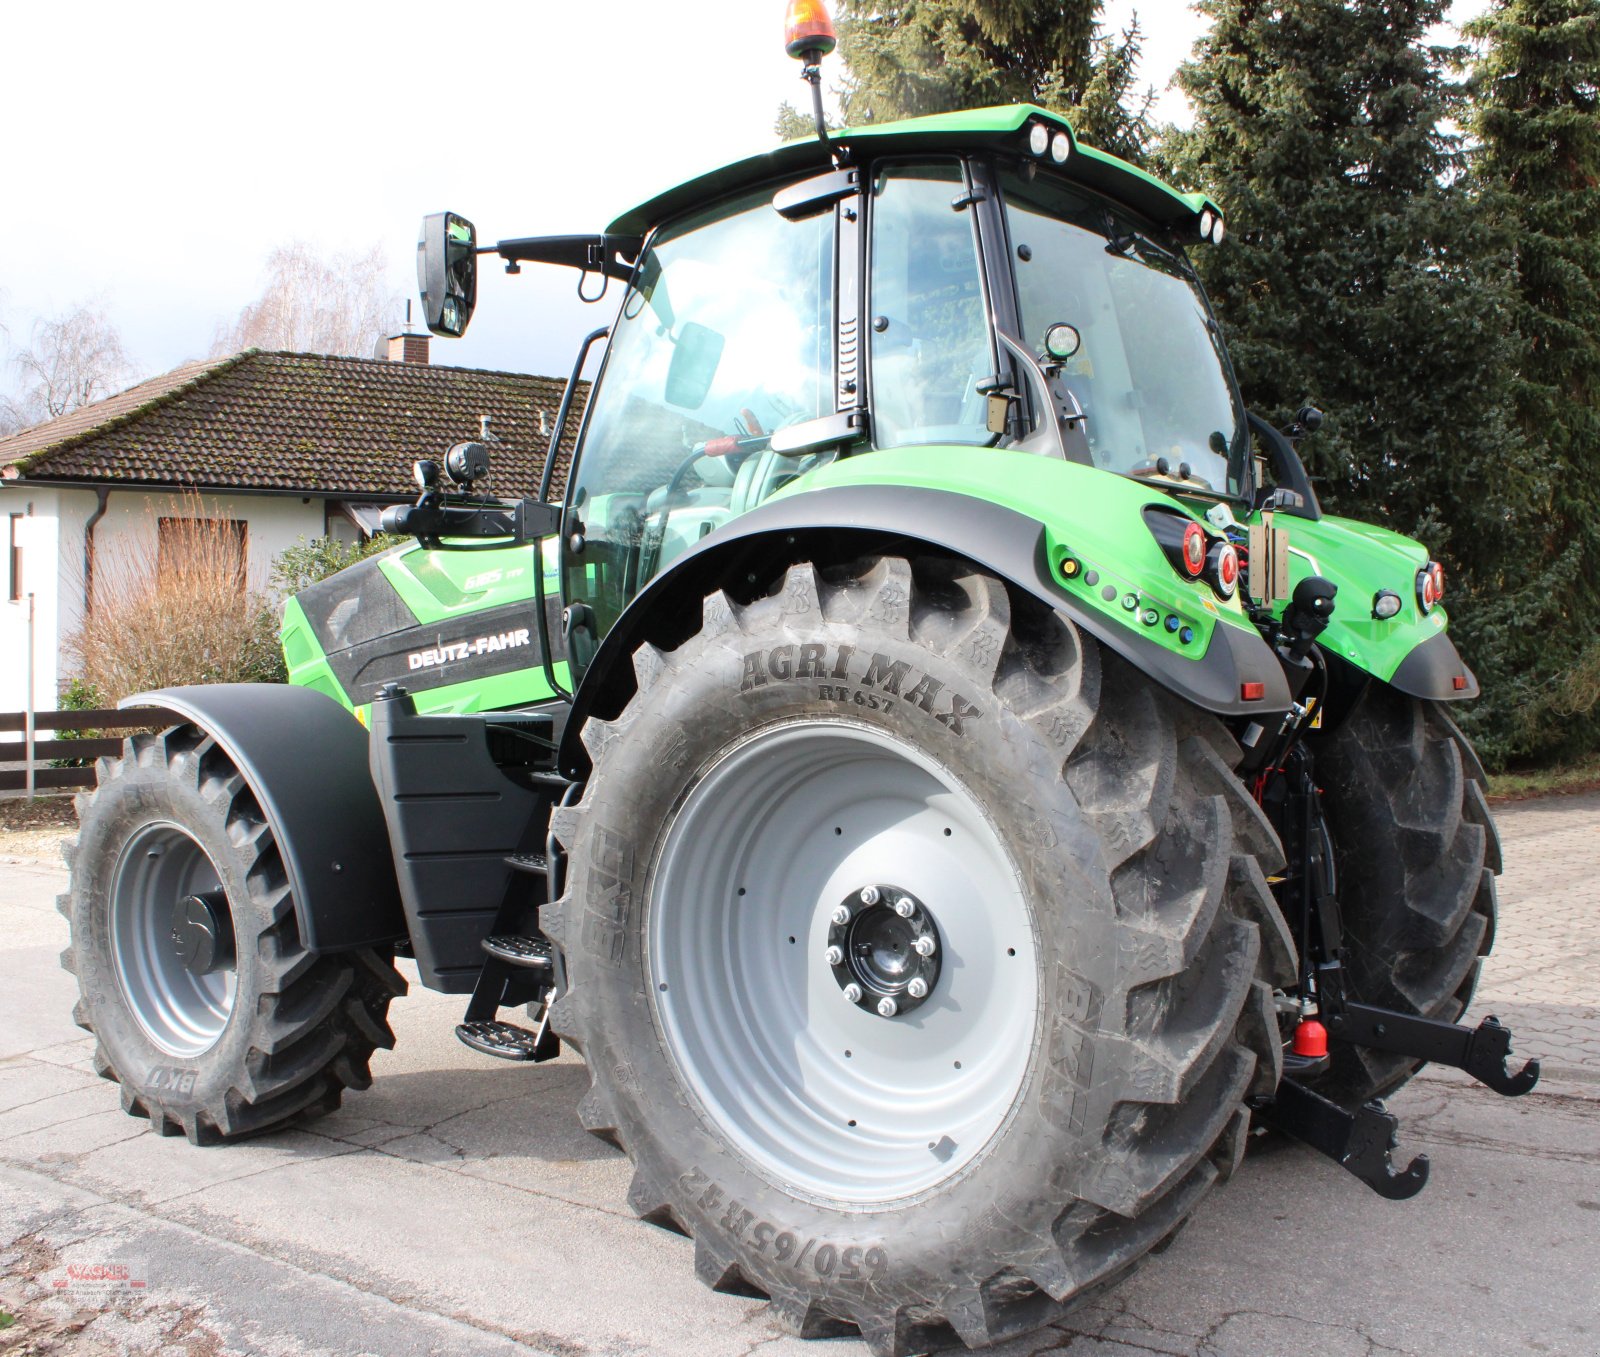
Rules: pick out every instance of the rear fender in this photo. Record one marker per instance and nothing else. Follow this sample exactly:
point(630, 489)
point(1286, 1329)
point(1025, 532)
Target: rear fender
point(304, 757)
point(842, 523)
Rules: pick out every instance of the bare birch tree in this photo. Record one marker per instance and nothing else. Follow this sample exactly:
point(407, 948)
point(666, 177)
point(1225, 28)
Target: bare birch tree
point(316, 303)
point(72, 361)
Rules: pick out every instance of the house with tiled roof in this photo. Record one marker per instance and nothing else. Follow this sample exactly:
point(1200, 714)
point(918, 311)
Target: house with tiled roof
point(281, 446)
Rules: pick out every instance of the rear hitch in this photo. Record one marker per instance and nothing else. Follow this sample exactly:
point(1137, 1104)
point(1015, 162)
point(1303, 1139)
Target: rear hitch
point(1359, 1142)
point(1481, 1051)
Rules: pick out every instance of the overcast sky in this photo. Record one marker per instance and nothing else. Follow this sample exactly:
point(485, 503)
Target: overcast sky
point(155, 153)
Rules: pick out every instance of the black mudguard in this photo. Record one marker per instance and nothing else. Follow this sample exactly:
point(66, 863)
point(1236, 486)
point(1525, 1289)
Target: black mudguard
point(1432, 671)
point(305, 758)
point(843, 523)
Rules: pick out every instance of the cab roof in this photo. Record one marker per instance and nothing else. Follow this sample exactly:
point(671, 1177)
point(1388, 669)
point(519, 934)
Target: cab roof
point(1002, 127)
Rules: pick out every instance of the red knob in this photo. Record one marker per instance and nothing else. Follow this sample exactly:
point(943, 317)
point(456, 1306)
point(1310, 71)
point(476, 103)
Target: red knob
point(1311, 1039)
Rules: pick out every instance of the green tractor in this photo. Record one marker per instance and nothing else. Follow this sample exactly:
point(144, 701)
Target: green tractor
point(937, 763)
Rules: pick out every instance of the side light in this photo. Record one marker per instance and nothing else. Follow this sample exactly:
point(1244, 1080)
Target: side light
point(1385, 604)
point(807, 30)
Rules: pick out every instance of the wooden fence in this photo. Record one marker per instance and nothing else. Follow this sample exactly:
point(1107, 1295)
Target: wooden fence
point(36, 755)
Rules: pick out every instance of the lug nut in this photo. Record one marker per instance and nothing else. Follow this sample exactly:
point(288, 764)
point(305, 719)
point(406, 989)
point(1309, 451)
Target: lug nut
point(925, 946)
point(852, 992)
point(904, 908)
point(841, 914)
point(918, 988)
point(869, 895)
point(887, 1008)
point(835, 956)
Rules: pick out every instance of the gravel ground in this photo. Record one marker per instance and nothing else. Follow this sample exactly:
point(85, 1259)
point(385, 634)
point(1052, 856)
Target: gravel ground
point(33, 831)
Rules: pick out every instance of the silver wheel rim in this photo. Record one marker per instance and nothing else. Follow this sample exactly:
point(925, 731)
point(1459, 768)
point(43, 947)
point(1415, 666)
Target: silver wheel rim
point(834, 1101)
point(180, 1012)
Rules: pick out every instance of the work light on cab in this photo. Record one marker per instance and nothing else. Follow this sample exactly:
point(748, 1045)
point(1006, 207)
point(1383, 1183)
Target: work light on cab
point(808, 31)
point(1049, 143)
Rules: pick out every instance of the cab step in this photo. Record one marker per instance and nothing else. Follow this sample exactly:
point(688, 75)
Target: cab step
point(532, 954)
point(533, 863)
point(507, 1041)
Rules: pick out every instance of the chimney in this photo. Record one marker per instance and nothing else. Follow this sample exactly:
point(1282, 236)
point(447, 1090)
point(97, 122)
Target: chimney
point(408, 348)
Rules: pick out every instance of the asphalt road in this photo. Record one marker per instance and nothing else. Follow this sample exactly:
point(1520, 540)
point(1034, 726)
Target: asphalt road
point(457, 1208)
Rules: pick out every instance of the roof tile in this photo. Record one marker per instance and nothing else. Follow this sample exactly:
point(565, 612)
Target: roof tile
point(297, 421)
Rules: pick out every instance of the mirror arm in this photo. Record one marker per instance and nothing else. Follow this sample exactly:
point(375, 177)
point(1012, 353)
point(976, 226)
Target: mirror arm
point(1289, 469)
point(1063, 418)
point(614, 256)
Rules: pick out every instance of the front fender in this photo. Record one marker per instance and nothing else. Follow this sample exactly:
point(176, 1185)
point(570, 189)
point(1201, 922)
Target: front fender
point(1409, 651)
point(840, 523)
point(304, 757)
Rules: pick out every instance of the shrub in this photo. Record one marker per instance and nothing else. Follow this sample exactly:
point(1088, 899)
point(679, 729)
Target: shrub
point(171, 606)
point(302, 565)
point(77, 696)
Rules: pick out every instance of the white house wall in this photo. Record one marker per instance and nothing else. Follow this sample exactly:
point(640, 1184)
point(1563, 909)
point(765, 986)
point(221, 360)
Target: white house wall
point(53, 562)
point(277, 522)
point(42, 546)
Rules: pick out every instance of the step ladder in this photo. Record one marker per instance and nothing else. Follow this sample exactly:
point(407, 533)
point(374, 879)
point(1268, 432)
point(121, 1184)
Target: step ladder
point(514, 961)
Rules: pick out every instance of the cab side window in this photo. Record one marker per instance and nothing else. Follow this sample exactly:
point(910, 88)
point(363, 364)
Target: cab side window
point(929, 334)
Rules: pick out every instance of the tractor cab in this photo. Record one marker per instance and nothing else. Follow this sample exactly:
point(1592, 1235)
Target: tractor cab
point(975, 280)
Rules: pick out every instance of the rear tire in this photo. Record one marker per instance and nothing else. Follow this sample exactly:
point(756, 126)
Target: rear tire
point(1097, 877)
point(274, 1033)
point(1416, 853)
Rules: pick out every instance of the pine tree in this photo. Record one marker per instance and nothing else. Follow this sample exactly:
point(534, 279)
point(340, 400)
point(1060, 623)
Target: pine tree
point(1536, 116)
point(933, 56)
point(1360, 275)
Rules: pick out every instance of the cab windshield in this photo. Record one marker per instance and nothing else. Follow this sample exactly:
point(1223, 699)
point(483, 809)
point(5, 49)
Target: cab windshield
point(725, 337)
point(1149, 372)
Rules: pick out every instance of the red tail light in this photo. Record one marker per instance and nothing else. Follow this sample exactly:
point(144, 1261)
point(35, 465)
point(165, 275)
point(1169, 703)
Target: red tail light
point(1225, 568)
point(1427, 589)
point(1436, 574)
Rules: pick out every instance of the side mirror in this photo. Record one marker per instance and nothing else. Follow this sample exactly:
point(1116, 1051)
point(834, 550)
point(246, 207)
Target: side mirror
point(447, 273)
point(696, 354)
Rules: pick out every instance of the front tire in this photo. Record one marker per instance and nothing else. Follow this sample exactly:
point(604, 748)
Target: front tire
point(1416, 854)
point(1092, 872)
point(251, 1029)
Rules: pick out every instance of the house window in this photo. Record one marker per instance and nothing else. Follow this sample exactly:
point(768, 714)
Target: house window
point(14, 558)
point(202, 545)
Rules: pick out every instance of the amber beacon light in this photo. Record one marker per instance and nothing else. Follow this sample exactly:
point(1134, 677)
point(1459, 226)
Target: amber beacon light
point(808, 31)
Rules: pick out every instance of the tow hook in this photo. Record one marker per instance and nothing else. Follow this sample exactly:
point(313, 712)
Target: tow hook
point(1359, 1142)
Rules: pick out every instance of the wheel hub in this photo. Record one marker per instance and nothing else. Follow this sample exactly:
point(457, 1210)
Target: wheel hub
point(202, 931)
point(884, 950)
